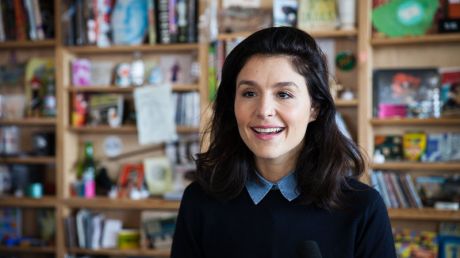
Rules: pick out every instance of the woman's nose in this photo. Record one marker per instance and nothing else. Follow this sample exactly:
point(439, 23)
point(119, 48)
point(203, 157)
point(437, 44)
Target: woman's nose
point(265, 107)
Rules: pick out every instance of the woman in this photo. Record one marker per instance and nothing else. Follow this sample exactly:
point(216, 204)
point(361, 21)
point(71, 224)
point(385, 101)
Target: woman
point(278, 171)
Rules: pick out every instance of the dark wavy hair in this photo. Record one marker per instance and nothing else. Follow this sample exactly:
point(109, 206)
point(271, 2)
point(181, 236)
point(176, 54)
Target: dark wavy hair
point(327, 156)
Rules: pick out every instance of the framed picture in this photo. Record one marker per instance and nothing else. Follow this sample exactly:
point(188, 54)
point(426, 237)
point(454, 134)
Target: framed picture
point(131, 177)
point(407, 93)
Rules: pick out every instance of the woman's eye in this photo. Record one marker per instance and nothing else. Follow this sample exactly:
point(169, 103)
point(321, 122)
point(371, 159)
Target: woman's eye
point(284, 95)
point(249, 94)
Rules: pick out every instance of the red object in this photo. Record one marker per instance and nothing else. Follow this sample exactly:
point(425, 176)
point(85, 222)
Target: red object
point(453, 9)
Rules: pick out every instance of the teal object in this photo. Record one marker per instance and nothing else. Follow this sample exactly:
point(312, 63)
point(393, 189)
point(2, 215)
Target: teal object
point(400, 18)
point(36, 190)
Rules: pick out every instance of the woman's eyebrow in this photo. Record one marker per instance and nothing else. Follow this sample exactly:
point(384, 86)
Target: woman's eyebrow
point(278, 84)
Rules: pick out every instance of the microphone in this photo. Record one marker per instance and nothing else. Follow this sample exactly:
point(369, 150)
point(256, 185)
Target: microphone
point(308, 249)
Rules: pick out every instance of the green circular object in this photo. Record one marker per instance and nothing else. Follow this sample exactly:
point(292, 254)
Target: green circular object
point(345, 60)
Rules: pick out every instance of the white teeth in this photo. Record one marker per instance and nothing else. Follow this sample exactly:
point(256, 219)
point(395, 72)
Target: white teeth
point(268, 130)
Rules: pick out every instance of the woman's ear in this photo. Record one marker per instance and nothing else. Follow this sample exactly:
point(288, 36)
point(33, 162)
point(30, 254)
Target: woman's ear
point(313, 113)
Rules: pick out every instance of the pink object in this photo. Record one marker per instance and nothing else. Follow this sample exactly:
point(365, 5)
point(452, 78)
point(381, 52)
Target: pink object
point(392, 110)
point(90, 189)
point(81, 72)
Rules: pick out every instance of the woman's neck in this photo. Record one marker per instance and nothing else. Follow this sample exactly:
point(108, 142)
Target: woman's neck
point(273, 170)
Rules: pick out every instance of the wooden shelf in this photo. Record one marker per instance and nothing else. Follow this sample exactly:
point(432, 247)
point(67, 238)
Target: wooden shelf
point(27, 249)
point(434, 38)
point(44, 202)
point(107, 203)
point(346, 103)
point(28, 160)
point(315, 34)
point(426, 214)
point(425, 166)
point(128, 49)
point(416, 121)
point(126, 129)
point(29, 122)
point(119, 252)
point(47, 43)
point(116, 89)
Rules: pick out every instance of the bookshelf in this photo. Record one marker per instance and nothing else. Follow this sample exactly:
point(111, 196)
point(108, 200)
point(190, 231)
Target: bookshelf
point(423, 51)
point(417, 52)
point(22, 50)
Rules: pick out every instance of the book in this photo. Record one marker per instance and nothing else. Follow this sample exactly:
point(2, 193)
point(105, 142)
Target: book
point(430, 189)
point(317, 15)
point(162, 21)
point(157, 228)
point(129, 22)
point(436, 148)
point(414, 145)
point(450, 91)
point(285, 13)
point(158, 175)
point(109, 234)
point(106, 109)
point(390, 146)
point(70, 232)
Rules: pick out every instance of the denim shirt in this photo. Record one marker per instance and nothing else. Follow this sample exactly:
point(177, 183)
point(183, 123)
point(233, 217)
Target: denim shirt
point(259, 189)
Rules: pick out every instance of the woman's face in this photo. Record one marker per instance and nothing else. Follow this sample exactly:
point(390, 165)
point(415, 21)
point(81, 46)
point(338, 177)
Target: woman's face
point(272, 108)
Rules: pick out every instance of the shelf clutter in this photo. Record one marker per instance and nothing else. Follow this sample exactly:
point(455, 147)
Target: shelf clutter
point(87, 76)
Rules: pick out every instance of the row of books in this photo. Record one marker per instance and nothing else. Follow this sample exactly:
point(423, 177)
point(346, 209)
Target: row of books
point(104, 23)
point(93, 230)
point(417, 146)
point(26, 20)
point(401, 190)
point(187, 108)
point(397, 190)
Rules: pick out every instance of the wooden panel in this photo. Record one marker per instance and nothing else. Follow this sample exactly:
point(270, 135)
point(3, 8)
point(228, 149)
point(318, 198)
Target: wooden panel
point(418, 166)
point(46, 201)
point(24, 45)
point(127, 49)
point(106, 203)
point(118, 252)
point(423, 55)
point(425, 214)
point(434, 38)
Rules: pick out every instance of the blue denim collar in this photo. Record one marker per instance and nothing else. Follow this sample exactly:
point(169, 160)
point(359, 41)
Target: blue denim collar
point(259, 187)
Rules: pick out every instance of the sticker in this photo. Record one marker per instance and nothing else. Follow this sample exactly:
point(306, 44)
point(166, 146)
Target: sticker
point(113, 146)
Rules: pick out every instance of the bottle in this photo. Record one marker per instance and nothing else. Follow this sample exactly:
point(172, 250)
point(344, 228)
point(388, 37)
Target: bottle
point(88, 171)
point(49, 107)
point(137, 70)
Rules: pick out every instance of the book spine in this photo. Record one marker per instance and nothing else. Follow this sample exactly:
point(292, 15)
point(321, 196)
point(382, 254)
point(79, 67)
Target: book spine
point(405, 188)
point(2, 25)
point(181, 10)
point(152, 23)
point(172, 20)
point(413, 191)
point(163, 22)
point(383, 188)
point(30, 14)
point(20, 21)
point(192, 23)
point(391, 190)
point(399, 193)
point(38, 20)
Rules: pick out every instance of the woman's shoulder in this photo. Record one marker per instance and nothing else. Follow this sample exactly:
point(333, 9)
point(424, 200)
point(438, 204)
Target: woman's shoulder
point(359, 193)
point(194, 190)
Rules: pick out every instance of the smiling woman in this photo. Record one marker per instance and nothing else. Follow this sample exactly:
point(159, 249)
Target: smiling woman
point(278, 172)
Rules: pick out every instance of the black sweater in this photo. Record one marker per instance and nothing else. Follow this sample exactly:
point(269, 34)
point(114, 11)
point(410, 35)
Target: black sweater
point(274, 228)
